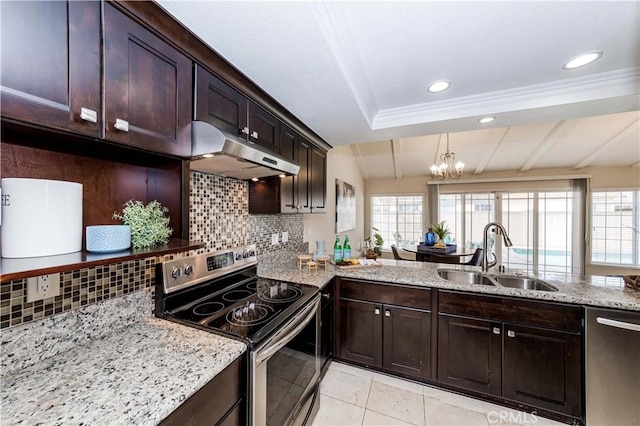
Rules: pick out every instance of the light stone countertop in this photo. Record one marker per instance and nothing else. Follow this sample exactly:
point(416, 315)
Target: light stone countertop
point(106, 364)
point(599, 291)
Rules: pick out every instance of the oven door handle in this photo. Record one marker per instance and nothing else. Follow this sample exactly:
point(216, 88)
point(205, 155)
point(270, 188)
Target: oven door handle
point(286, 334)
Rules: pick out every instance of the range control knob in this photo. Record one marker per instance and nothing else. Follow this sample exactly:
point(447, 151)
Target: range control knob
point(245, 255)
point(188, 270)
point(176, 273)
point(239, 256)
point(252, 253)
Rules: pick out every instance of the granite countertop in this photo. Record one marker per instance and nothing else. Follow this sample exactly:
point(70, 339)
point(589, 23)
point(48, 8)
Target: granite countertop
point(92, 367)
point(599, 291)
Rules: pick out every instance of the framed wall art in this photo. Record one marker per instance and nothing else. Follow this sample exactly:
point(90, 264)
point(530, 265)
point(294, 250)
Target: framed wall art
point(345, 206)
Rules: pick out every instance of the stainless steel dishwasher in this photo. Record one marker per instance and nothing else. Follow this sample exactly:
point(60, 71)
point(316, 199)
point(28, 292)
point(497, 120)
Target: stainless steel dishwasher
point(612, 367)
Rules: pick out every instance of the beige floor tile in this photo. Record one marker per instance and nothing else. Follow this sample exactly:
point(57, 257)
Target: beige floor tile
point(399, 383)
point(346, 387)
point(338, 413)
point(371, 418)
point(443, 414)
point(397, 403)
point(345, 368)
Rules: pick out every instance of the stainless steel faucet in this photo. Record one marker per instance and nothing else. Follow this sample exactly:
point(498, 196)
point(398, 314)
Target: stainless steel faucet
point(485, 249)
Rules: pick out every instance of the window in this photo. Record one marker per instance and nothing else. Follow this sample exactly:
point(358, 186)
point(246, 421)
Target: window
point(539, 223)
point(615, 227)
point(398, 217)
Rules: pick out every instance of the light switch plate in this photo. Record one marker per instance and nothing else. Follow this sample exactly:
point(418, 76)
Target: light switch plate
point(274, 239)
point(285, 237)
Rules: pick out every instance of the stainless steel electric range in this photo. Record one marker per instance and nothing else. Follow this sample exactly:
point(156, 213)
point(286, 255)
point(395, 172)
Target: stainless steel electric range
point(279, 321)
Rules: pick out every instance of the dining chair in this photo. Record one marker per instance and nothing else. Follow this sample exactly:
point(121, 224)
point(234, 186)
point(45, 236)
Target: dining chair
point(396, 255)
point(476, 259)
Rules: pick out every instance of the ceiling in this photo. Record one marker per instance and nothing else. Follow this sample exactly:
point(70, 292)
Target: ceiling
point(357, 74)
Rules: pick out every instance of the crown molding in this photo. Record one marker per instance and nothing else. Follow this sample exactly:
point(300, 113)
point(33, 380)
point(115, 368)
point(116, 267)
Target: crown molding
point(345, 52)
point(604, 85)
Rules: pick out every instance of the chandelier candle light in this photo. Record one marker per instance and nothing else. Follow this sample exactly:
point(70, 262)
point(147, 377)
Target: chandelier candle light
point(446, 169)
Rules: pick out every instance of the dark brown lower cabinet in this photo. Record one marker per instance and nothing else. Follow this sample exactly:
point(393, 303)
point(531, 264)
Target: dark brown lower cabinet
point(361, 332)
point(406, 341)
point(222, 401)
point(375, 331)
point(542, 368)
point(469, 354)
point(327, 325)
point(524, 351)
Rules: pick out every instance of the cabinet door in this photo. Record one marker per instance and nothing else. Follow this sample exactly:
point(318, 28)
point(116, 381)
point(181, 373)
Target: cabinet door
point(304, 176)
point(469, 354)
point(326, 326)
point(318, 186)
point(264, 127)
point(147, 88)
point(219, 104)
point(51, 64)
point(407, 341)
point(289, 185)
point(361, 332)
point(543, 368)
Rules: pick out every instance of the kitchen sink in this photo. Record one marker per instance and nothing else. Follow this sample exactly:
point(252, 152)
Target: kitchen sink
point(525, 283)
point(464, 277)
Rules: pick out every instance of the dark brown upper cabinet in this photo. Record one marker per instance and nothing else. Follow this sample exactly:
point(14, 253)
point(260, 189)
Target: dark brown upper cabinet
point(226, 108)
point(318, 181)
point(304, 193)
point(51, 64)
point(147, 86)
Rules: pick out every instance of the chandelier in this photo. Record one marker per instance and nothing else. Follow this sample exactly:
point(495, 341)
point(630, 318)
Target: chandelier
point(447, 169)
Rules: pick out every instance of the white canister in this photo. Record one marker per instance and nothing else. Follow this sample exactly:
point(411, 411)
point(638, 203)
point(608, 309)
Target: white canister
point(40, 217)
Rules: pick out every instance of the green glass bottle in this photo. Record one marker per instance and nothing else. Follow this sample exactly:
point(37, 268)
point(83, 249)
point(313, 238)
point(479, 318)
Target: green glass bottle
point(337, 250)
point(346, 249)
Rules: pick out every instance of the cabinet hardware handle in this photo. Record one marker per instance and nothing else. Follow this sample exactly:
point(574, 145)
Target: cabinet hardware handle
point(326, 295)
point(244, 130)
point(496, 330)
point(121, 125)
point(254, 135)
point(376, 311)
point(387, 313)
point(511, 333)
point(87, 114)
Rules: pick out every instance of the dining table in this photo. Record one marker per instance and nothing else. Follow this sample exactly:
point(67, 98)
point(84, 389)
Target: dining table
point(424, 256)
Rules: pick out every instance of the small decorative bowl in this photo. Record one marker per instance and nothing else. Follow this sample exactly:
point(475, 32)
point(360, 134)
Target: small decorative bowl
point(108, 238)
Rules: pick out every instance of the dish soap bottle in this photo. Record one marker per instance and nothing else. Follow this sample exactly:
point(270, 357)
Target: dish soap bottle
point(337, 250)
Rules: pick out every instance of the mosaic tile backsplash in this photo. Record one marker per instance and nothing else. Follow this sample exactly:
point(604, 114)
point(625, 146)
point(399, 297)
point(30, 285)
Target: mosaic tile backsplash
point(218, 217)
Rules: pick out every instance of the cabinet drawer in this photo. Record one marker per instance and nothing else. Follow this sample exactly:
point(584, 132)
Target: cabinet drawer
point(542, 314)
point(209, 405)
point(386, 293)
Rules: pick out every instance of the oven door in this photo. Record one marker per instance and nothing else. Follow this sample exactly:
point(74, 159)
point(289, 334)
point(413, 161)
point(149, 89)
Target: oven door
point(285, 371)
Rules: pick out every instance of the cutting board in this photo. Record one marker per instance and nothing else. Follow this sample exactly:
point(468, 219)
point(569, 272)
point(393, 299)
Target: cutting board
point(377, 264)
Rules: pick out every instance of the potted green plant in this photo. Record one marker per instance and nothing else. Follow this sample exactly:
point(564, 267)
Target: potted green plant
point(149, 224)
point(375, 244)
point(441, 230)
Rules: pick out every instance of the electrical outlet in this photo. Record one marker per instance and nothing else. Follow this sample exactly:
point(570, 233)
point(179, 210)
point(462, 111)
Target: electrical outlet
point(274, 239)
point(43, 287)
point(285, 237)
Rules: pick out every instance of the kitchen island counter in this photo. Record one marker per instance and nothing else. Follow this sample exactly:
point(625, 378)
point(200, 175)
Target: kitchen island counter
point(94, 367)
point(601, 291)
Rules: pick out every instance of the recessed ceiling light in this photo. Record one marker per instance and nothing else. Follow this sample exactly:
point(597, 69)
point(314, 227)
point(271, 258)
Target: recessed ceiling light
point(207, 155)
point(582, 60)
point(439, 86)
point(255, 179)
point(484, 120)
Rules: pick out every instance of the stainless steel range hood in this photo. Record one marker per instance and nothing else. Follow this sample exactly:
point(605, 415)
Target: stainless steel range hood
point(221, 153)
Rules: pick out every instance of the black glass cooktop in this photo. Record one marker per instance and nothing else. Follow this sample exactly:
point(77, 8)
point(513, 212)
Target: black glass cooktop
point(250, 310)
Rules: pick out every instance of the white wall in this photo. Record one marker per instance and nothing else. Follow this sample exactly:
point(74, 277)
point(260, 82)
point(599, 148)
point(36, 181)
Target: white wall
point(322, 226)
